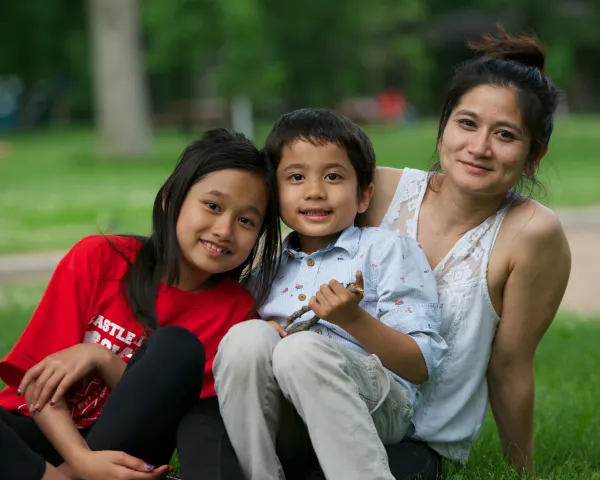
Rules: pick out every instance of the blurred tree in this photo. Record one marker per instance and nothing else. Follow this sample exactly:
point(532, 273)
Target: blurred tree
point(32, 52)
point(122, 112)
point(282, 54)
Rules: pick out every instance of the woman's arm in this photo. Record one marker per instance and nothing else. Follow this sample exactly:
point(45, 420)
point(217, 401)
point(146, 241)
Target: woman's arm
point(386, 181)
point(539, 272)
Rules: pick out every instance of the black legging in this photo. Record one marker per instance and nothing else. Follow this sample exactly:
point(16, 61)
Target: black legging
point(16, 458)
point(408, 461)
point(142, 415)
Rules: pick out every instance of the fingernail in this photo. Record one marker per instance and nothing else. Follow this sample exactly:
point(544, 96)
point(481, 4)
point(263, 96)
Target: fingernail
point(37, 407)
point(19, 393)
point(149, 467)
point(51, 403)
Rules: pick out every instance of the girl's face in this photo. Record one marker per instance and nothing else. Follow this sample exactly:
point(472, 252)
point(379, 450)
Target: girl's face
point(485, 144)
point(219, 223)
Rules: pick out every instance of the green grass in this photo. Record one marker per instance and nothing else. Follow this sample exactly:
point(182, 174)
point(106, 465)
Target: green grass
point(54, 190)
point(567, 393)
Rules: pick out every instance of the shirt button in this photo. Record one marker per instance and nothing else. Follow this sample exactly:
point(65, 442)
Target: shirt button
point(310, 262)
point(301, 297)
point(319, 332)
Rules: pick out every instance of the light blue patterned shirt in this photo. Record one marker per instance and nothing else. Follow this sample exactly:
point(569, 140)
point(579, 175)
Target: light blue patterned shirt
point(400, 289)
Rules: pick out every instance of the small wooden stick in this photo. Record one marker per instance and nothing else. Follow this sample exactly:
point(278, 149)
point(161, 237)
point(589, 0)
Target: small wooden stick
point(352, 287)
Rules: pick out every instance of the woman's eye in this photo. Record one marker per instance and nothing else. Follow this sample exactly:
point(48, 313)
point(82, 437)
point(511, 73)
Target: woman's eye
point(212, 206)
point(506, 134)
point(466, 122)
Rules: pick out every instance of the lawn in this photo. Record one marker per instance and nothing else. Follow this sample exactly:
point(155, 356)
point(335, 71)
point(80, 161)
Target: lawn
point(54, 190)
point(567, 393)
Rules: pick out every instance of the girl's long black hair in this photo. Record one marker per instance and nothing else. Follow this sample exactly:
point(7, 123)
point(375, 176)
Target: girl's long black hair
point(158, 256)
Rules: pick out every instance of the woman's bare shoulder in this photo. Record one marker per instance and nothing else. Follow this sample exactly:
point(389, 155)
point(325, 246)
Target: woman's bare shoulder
point(530, 226)
point(386, 181)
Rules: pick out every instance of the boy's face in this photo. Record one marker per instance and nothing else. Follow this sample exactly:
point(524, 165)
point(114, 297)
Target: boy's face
point(318, 192)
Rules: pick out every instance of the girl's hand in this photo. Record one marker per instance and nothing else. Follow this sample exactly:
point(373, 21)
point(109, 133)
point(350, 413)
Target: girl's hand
point(52, 377)
point(111, 465)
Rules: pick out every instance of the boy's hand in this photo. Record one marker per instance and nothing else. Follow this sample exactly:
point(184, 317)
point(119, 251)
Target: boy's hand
point(279, 328)
point(336, 304)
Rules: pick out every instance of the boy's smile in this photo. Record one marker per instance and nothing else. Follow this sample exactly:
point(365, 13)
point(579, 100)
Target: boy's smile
point(318, 192)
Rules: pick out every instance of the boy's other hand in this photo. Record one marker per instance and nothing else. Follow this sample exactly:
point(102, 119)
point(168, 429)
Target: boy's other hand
point(279, 328)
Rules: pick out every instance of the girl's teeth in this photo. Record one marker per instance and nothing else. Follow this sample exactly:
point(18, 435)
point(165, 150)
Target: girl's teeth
point(213, 247)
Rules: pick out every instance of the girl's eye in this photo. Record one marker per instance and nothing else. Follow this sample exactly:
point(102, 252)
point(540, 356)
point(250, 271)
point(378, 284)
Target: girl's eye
point(212, 206)
point(248, 222)
point(466, 122)
point(296, 177)
point(332, 176)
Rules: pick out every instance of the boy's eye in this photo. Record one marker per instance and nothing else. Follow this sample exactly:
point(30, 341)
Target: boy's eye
point(333, 176)
point(212, 206)
point(296, 177)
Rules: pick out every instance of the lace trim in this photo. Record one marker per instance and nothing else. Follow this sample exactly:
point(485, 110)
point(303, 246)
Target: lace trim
point(402, 213)
point(468, 258)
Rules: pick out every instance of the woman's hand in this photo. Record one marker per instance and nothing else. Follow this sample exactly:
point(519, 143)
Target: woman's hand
point(52, 377)
point(112, 465)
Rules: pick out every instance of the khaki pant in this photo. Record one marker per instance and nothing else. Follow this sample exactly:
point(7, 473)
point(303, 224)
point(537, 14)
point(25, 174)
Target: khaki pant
point(349, 403)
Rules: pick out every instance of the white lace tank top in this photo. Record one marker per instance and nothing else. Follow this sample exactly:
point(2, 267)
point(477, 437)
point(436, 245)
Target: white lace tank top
point(452, 404)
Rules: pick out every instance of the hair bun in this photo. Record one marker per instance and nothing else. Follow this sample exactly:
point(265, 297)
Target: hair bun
point(524, 49)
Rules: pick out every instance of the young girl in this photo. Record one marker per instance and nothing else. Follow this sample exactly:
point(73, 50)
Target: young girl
point(110, 363)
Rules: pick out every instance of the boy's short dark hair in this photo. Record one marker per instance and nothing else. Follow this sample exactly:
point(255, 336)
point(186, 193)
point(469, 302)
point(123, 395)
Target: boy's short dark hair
point(320, 127)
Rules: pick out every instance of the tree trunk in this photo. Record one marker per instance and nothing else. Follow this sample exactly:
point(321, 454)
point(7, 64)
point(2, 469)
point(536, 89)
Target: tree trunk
point(120, 91)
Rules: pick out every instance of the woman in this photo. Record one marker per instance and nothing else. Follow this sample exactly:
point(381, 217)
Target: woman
point(501, 259)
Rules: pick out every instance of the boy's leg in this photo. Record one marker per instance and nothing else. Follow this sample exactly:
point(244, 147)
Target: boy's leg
point(160, 384)
point(249, 396)
point(337, 392)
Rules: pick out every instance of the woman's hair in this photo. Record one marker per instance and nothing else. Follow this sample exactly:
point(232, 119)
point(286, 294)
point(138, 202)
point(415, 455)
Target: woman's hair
point(159, 254)
point(515, 61)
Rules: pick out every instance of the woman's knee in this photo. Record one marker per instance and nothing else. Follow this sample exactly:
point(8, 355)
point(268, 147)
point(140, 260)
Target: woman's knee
point(245, 347)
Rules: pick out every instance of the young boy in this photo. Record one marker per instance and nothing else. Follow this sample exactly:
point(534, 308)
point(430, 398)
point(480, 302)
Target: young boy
point(352, 378)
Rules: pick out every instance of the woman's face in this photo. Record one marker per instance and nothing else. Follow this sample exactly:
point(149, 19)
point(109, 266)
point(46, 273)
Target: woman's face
point(484, 145)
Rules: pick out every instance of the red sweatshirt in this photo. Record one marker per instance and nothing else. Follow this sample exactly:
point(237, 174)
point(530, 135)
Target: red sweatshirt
point(85, 302)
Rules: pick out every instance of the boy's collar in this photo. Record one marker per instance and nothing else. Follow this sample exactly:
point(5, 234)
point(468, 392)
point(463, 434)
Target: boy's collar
point(348, 240)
